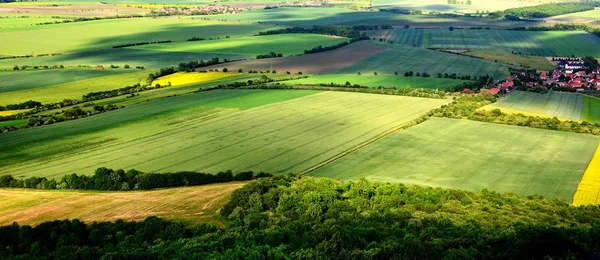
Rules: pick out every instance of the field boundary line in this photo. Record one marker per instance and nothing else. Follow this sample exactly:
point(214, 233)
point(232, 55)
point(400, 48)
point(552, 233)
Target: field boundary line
point(356, 148)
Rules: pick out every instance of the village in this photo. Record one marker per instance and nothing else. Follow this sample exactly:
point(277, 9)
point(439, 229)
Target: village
point(571, 74)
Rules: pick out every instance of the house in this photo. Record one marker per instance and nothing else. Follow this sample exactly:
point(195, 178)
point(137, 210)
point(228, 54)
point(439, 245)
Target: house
point(574, 65)
point(494, 91)
point(581, 74)
point(555, 74)
point(544, 76)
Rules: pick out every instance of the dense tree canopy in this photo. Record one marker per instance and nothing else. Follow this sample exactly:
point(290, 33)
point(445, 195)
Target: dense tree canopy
point(320, 218)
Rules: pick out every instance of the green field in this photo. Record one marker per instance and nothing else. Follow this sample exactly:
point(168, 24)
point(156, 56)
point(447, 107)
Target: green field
point(211, 131)
point(305, 17)
point(72, 89)
point(551, 43)
point(162, 55)
point(581, 17)
point(31, 79)
point(444, 7)
point(286, 44)
point(591, 109)
point(559, 104)
point(375, 81)
point(15, 123)
point(104, 34)
point(535, 62)
point(464, 154)
point(12, 21)
point(402, 59)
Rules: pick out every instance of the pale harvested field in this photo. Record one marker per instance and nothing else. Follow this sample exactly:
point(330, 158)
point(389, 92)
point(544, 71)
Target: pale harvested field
point(72, 10)
point(189, 204)
point(324, 62)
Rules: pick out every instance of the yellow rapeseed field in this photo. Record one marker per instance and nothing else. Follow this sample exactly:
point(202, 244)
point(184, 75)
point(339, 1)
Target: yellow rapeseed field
point(588, 191)
point(12, 112)
point(185, 78)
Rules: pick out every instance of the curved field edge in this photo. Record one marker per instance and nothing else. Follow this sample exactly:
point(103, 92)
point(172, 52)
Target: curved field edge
point(188, 204)
point(588, 190)
point(463, 154)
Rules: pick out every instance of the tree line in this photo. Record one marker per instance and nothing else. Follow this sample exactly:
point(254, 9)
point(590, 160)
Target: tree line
point(335, 46)
point(338, 30)
point(139, 44)
point(547, 10)
point(288, 217)
point(105, 179)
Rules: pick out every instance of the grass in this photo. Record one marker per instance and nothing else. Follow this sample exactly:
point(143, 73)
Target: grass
point(535, 62)
point(402, 59)
point(31, 79)
point(188, 204)
point(588, 190)
point(286, 44)
point(591, 109)
point(74, 89)
point(186, 78)
point(278, 131)
point(550, 43)
point(15, 123)
point(104, 34)
point(559, 104)
point(464, 154)
point(377, 81)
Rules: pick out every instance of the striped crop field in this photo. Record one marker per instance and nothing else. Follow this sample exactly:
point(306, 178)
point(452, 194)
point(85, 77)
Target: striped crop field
point(471, 155)
point(277, 131)
point(588, 191)
point(375, 81)
point(553, 104)
point(550, 43)
point(591, 109)
point(189, 204)
point(402, 59)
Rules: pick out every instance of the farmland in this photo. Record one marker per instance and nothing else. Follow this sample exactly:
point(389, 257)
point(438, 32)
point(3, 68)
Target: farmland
point(170, 54)
point(73, 89)
point(31, 79)
point(286, 44)
point(323, 62)
point(104, 34)
point(402, 59)
point(535, 62)
point(559, 104)
point(591, 109)
point(255, 132)
point(190, 204)
point(471, 155)
point(592, 16)
point(377, 81)
point(588, 190)
point(443, 6)
point(185, 78)
point(547, 43)
point(307, 17)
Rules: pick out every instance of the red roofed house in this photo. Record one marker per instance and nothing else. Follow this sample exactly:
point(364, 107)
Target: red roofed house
point(581, 74)
point(543, 76)
point(494, 91)
point(555, 74)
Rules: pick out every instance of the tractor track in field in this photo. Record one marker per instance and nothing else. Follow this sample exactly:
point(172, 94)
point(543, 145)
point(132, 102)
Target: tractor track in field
point(276, 130)
point(356, 148)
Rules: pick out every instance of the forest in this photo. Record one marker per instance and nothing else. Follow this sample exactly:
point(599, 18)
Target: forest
point(291, 217)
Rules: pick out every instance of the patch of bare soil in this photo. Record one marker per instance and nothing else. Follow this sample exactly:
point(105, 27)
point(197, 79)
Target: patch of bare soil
point(318, 63)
